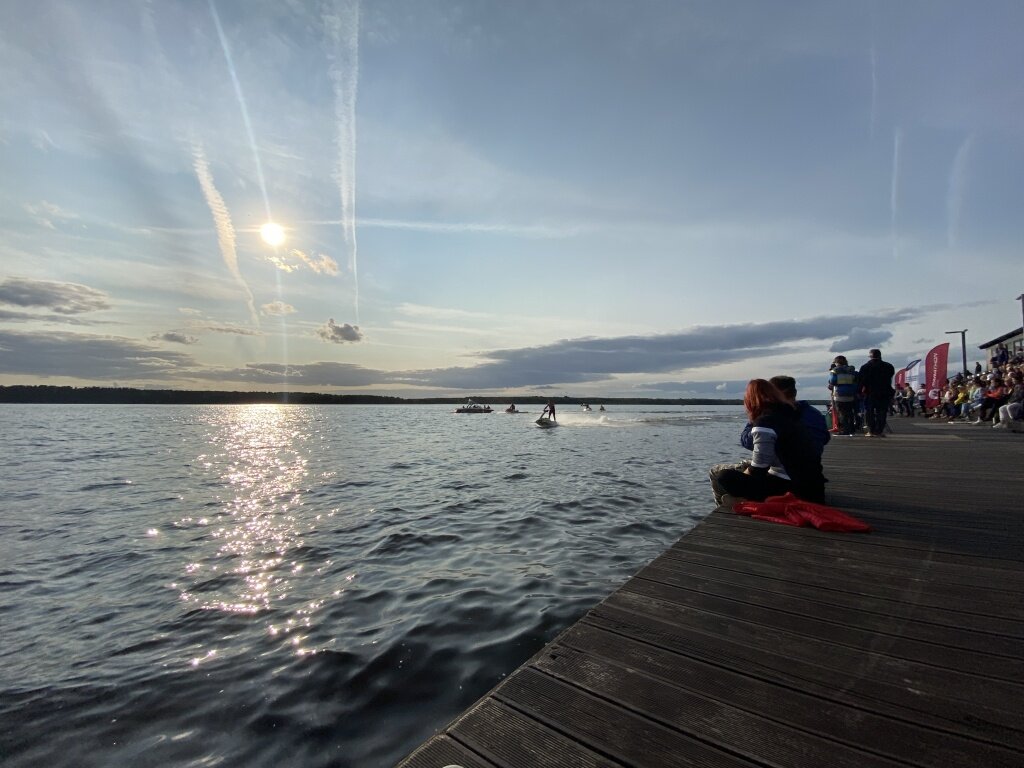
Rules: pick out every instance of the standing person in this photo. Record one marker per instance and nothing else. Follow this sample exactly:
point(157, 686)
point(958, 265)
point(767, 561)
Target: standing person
point(910, 397)
point(842, 382)
point(549, 411)
point(876, 383)
point(785, 457)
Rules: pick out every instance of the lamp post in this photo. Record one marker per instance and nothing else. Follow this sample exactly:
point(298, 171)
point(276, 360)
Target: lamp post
point(963, 345)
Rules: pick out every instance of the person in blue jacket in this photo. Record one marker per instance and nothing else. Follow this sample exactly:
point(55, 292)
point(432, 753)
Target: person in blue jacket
point(811, 419)
point(842, 382)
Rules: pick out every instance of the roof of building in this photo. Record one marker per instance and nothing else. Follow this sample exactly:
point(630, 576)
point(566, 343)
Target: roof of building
point(1000, 339)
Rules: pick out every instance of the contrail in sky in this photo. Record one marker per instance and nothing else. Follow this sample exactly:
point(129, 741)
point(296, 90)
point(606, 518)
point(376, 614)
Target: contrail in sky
point(222, 221)
point(874, 88)
point(894, 190)
point(342, 24)
point(955, 191)
point(241, 103)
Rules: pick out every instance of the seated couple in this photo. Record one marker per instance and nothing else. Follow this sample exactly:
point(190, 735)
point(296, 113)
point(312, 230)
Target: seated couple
point(787, 438)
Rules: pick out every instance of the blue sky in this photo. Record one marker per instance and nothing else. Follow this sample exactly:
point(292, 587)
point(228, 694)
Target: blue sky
point(599, 198)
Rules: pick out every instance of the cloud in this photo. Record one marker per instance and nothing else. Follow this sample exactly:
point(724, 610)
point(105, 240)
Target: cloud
point(861, 338)
point(12, 316)
point(277, 309)
point(237, 330)
point(597, 359)
point(321, 263)
point(421, 310)
point(46, 213)
point(174, 337)
point(63, 298)
point(693, 388)
point(321, 374)
point(955, 191)
point(530, 231)
point(222, 221)
point(341, 23)
point(87, 356)
point(339, 334)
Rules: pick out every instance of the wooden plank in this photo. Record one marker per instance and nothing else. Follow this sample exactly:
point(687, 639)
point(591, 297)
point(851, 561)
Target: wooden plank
point(922, 592)
point(685, 572)
point(999, 667)
point(608, 728)
point(510, 739)
point(443, 751)
point(587, 653)
point(850, 660)
point(918, 693)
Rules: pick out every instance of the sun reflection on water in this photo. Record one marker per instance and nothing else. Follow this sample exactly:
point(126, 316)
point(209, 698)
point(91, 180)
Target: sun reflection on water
point(258, 466)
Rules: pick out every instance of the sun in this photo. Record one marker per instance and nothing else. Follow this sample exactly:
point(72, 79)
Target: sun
point(272, 234)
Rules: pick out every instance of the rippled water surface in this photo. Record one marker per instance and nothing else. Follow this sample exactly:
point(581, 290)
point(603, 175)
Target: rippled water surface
point(309, 586)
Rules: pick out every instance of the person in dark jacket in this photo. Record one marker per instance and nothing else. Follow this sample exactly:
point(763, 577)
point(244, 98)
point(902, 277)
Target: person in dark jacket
point(784, 458)
point(875, 378)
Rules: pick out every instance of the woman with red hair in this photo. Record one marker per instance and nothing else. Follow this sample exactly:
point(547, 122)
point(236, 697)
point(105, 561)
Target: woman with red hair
point(784, 459)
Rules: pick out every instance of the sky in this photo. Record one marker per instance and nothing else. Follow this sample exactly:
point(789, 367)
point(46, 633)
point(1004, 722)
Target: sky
point(650, 199)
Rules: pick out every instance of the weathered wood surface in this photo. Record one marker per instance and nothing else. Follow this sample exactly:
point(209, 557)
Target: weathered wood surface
point(755, 644)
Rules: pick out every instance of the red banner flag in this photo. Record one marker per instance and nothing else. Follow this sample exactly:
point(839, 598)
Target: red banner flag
point(935, 373)
point(901, 378)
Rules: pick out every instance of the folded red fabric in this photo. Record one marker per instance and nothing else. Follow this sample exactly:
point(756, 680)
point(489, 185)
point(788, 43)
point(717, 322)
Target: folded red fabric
point(792, 510)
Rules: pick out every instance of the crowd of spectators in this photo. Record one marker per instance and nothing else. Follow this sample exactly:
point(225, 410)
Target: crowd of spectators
point(994, 397)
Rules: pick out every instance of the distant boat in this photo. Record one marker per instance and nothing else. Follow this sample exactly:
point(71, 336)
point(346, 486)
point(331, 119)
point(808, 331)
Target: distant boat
point(585, 407)
point(513, 409)
point(471, 407)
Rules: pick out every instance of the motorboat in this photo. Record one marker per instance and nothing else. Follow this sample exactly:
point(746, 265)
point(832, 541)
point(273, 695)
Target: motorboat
point(471, 407)
point(512, 409)
point(585, 407)
point(546, 422)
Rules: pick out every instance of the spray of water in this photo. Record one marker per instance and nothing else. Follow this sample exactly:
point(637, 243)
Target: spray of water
point(241, 103)
point(222, 222)
point(341, 21)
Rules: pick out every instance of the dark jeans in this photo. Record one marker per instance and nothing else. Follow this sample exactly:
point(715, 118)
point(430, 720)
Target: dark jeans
point(755, 487)
point(877, 411)
point(847, 413)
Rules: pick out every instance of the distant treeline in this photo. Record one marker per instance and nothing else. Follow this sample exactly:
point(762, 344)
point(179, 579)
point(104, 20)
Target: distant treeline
point(127, 396)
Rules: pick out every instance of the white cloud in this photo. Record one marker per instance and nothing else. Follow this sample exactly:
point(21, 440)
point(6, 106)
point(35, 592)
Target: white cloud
point(277, 309)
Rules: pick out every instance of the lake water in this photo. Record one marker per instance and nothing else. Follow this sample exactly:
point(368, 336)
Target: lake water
point(304, 585)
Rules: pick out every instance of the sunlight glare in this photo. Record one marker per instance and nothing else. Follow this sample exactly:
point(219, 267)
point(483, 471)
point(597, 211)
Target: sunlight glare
point(272, 234)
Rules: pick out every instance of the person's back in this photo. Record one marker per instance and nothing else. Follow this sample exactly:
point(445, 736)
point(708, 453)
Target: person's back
point(795, 450)
point(876, 378)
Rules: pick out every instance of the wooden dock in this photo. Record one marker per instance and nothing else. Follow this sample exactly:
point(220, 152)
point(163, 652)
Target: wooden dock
point(755, 644)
